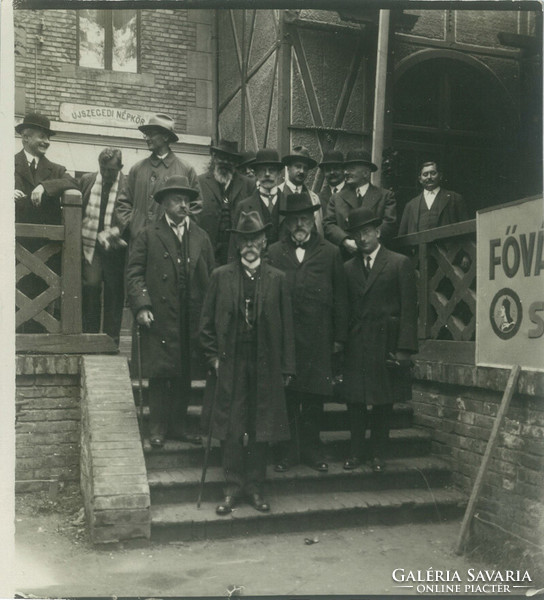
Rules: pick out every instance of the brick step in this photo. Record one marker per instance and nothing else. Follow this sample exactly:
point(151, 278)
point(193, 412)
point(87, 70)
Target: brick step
point(306, 512)
point(181, 485)
point(403, 443)
point(335, 417)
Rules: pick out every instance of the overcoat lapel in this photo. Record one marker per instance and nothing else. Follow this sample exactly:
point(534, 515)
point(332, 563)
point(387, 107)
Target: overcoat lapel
point(195, 247)
point(379, 263)
point(168, 239)
point(372, 197)
point(43, 171)
point(22, 167)
point(442, 199)
point(349, 195)
point(262, 287)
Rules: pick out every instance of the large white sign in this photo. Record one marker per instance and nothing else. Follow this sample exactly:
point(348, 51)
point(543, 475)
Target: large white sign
point(510, 298)
point(98, 114)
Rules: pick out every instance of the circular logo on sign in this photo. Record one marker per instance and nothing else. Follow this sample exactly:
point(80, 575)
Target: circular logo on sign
point(505, 313)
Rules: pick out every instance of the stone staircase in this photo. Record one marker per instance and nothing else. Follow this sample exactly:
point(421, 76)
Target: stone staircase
point(414, 487)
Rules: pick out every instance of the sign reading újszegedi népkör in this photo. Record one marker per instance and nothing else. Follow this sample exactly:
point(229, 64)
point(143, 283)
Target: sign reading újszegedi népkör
point(510, 293)
point(113, 116)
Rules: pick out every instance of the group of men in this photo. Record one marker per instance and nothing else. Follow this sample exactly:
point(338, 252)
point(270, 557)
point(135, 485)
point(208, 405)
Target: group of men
point(304, 286)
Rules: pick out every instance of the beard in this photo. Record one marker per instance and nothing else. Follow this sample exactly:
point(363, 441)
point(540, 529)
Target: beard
point(223, 173)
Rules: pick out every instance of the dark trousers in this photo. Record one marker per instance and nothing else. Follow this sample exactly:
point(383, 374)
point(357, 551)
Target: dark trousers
point(305, 414)
point(359, 420)
point(106, 271)
point(244, 466)
point(168, 401)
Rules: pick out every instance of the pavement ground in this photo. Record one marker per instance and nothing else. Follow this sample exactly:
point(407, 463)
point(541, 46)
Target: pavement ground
point(55, 559)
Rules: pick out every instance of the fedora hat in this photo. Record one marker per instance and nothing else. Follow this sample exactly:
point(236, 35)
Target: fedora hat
point(267, 156)
point(247, 158)
point(35, 120)
point(226, 147)
point(250, 223)
point(163, 122)
point(335, 157)
point(360, 217)
point(360, 156)
point(299, 203)
point(178, 183)
point(299, 154)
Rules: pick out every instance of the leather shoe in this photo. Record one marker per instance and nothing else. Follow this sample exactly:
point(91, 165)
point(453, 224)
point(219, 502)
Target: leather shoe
point(377, 465)
point(321, 466)
point(282, 466)
point(258, 503)
point(225, 508)
point(157, 442)
point(352, 463)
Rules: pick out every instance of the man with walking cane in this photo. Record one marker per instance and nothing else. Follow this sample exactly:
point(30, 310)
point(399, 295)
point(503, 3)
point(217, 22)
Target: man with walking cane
point(246, 332)
point(168, 272)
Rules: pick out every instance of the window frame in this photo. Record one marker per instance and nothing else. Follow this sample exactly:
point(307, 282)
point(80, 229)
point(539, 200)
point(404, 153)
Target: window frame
point(108, 42)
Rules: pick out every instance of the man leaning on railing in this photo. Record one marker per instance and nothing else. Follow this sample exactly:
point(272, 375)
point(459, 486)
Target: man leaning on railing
point(39, 185)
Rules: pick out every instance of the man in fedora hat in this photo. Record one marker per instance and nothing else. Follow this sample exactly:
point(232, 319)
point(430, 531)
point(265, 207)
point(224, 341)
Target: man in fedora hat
point(246, 332)
point(298, 163)
point(222, 187)
point(168, 271)
point(317, 285)
point(39, 183)
point(267, 199)
point(382, 336)
point(245, 166)
point(136, 208)
point(435, 206)
point(332, 167)
point(359, 192)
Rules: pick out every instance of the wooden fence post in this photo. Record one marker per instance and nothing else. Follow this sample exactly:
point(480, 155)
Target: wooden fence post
point(71, 263)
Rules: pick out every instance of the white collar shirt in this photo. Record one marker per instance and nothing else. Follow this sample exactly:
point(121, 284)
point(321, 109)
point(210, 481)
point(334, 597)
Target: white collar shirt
point(179, 228)
point(372, 257)
point(362, 190)
point(430, 196)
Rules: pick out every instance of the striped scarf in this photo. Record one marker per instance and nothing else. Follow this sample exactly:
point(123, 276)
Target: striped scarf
point(89, 229)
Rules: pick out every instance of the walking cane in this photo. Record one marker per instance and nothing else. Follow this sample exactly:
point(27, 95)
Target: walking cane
point(208, 444)
point(140, 401)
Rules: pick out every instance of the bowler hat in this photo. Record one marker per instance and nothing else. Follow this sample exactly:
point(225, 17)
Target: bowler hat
point(360, 156)
point(335, 157)
point(299, 154)
point(178, 183)
point(267, 156)
point(247, 158)
point(226, 147)
point(360, 217)
point(163, 122)
point(250, 223)
point(299, 203)
point(35, 120)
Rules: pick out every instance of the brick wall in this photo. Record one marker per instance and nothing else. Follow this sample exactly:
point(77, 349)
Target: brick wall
point(461, 415)
point(175, 67)
point(47, 421)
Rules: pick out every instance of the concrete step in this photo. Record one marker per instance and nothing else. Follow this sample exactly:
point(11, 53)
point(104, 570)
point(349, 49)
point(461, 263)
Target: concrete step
point(306, 512)
point(182, 485)
point(406, 442)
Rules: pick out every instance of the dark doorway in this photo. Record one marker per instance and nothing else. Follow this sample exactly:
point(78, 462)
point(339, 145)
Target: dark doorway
point(460, 115)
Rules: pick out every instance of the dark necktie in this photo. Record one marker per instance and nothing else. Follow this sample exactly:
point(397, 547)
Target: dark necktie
point(33, 165)
point(335, 190)
point(367, 265)
point(268, 201)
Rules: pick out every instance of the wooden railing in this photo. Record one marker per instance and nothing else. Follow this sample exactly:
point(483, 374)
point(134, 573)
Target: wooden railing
point(57, 307)
point(445, 261)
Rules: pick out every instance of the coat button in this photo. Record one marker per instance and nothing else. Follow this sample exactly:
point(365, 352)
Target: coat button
point(164, 276)
point(165, 255)
point(163, 341)
point(163, 298)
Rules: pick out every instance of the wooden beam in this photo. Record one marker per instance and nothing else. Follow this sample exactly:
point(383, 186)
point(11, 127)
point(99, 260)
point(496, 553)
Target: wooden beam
point(31, 230)
point(380, 90)
point(48, 343)
point(474, 496)
point(71, 264)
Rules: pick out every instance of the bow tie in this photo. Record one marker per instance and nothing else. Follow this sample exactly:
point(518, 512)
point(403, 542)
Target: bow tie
point(302, 245)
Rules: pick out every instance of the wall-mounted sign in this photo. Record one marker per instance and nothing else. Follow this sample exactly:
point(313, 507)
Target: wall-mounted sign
point(95, 114)
point(510, 299)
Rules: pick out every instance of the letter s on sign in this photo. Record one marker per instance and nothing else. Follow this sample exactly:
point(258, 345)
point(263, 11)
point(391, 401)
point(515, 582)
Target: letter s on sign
point(538, 320)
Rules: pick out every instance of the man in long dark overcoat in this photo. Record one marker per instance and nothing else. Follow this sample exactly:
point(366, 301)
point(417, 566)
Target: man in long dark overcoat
point(168, 271)
point(222, 188)
point(359, 192)
point(247, 338)
point(317, 285)
point(382, 336)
